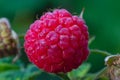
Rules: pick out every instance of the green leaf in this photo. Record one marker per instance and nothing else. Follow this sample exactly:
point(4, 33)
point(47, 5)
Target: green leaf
point(26, 74)
point(11, 75)
point(90, 77)
point(10, 60)
point(31, 72)
point(8, 66)
point(80, 72)
point(6, 60)
point(47, 76)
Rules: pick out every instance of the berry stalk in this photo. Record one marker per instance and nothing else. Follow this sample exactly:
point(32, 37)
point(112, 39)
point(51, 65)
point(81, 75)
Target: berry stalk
point(63, 76)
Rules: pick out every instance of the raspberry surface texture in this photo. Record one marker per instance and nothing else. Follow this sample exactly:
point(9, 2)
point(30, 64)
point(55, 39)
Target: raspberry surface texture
point(57, 42)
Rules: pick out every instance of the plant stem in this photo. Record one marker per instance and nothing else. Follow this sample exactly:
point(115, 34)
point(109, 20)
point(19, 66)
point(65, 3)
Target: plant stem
point(63, 76)
point(98, 74)
point(91, 40)
point(100, 52)
point(21, 35)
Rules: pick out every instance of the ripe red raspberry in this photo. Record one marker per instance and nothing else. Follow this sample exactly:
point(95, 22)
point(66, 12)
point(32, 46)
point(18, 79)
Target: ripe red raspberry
point(57, 42)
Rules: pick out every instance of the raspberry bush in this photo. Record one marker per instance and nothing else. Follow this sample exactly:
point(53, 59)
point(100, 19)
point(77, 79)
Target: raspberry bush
point(57, 45)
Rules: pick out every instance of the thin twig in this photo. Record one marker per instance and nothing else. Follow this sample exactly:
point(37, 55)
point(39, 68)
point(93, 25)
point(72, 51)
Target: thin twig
point(101, 72)
point(91, 40)
point(100, 52)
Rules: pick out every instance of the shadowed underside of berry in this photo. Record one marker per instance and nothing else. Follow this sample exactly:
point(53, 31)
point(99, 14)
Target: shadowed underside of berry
point(57, 42)
point(8, 39)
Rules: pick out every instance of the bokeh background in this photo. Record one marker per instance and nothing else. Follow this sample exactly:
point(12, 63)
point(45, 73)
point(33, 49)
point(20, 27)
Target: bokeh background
point(101, 16)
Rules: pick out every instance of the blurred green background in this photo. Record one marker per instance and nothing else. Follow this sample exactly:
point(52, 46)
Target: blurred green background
point(101, 16)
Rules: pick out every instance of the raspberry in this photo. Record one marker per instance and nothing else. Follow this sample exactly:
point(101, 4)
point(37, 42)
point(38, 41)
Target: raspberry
point(57, 42)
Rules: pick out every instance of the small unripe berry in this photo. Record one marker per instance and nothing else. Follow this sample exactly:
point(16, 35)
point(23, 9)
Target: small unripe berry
point(8, 39)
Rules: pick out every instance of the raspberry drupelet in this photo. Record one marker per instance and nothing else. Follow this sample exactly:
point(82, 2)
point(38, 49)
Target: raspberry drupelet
point(57, 42)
